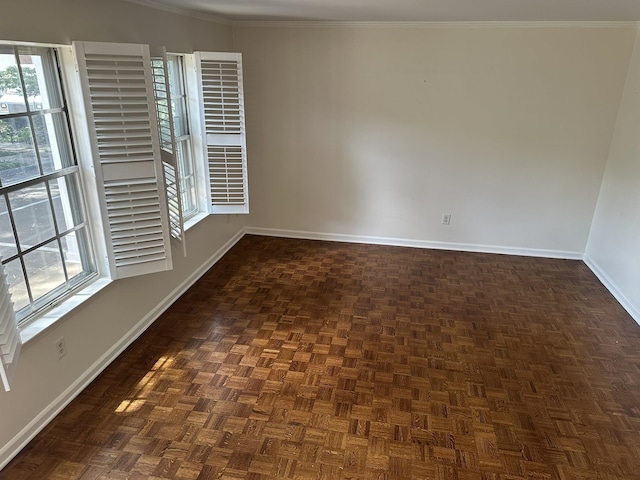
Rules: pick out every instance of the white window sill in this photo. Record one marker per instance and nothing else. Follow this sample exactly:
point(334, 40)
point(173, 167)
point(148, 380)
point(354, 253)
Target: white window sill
point(35, 327)
point(193, 221)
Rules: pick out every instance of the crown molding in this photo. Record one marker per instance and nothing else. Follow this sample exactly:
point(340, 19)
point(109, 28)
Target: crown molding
point(182, 11)
point(383, 24)
point(473, 24)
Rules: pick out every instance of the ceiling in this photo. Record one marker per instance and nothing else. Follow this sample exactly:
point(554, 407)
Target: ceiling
point(410, 10)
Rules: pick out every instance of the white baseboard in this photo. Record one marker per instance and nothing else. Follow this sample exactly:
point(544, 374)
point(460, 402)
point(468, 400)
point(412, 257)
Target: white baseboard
point(11, 449)
point(610, 285)
point(402, 242)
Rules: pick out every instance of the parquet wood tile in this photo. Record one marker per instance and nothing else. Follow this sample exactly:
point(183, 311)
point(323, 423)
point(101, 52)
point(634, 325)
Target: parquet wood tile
point(296, 359)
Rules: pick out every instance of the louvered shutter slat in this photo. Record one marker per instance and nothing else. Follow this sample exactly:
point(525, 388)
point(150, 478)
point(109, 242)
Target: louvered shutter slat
point(141, 233)
point(124, 91)
point(173, 195)
point(129, 136)
point(118, 92)
point(10, 343)
point(114, 125)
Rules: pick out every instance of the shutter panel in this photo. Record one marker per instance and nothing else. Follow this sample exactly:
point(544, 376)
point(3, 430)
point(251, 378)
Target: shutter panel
point(168, 146)
point(10, 343)
point(223, 122)
point(119, 101)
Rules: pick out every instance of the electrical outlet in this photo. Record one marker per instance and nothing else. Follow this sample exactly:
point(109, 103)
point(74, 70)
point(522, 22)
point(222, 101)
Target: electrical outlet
point(446, 219)
point(61, 348)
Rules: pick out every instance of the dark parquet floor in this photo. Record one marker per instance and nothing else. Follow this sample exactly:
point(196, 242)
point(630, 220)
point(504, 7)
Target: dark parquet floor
point(296, 359)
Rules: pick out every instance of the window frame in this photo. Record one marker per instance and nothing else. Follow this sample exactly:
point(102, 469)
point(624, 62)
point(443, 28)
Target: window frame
point(197, 145)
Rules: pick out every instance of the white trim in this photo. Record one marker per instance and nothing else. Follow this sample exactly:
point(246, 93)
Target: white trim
point(207, 17)
point(31, 329)
point(403, 242)
point(17, 443)
point(468, 24)
point(193, 221)
point(610, 285)
point(32, 44)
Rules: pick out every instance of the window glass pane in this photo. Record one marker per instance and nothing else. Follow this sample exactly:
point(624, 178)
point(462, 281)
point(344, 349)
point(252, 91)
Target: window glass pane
point(187, 178)
point(7, 242)
point(39, 71)
point(44, 269)
point(184, 157)
point(18, 161)
point(66, 204)
point(178, 101)
point(72, 253)
point(17, 285)
point(32, 215)
point(180, 125)
point(53, 141)
point(11, 98)
point(174, 67)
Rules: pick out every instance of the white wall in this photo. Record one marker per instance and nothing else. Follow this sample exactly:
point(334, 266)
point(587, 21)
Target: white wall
point(95, 328)
point(613, 250)
point(62, 21)
point(378, 131)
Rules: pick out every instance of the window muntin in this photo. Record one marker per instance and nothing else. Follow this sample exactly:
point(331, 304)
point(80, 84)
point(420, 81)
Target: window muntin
point(44, 236)
point(186, 166)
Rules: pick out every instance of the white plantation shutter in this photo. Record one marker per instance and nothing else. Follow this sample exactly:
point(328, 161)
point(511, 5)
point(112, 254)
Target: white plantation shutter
point(168, 146)
point(10, 343)
point(223, 123)
point(119, 101)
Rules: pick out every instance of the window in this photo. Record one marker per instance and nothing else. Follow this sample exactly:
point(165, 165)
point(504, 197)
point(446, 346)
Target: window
point(186, 165)
point(164, 115)
point(133, 134)
point(44, 235)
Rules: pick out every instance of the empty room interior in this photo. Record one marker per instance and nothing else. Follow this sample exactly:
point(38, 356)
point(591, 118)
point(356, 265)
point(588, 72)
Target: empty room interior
point(436, 273)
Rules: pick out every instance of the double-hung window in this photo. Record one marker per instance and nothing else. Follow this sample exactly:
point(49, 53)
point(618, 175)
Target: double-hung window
point(182, 129)
point(44, 235)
